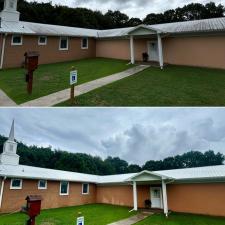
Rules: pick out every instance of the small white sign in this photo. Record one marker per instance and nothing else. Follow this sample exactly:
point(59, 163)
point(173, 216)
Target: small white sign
point(73, 77)
point(80, 220)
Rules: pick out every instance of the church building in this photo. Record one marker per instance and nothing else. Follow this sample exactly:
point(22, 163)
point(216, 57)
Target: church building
point(195, 190)
point(192, 43)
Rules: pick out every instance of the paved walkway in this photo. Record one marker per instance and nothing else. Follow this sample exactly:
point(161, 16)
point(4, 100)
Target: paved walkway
point(64, 95)
point(134, 219)
point(5, 100)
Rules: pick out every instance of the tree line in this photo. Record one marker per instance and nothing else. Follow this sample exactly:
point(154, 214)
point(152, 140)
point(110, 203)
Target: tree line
point(86, 18)
point(84, 163)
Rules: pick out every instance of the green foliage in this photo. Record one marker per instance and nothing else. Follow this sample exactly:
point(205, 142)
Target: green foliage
point(182, 219)
point(95, 214)
point(172, 86)
point(81, 17)
point(84, 163)
point(193, 11)
point(54, 77)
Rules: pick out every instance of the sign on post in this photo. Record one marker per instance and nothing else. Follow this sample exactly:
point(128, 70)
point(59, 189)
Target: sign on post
point(73, 77)
point(80, 220)
point(73, 81)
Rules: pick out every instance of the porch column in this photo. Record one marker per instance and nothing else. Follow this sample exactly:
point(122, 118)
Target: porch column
point(135, 195)
point(132, 60)
point(160, 51)
point(165, 203)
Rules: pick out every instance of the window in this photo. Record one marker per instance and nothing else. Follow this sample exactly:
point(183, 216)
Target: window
point(85, 189)
point(42, 40)
point(42, 184)
point(17, 40)
point(84, 43)
point(64, 188)
point(63, 45)
point(16, 184)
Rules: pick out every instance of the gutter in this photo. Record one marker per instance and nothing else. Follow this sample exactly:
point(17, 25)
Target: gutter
point(2, 190)
point(3, 51)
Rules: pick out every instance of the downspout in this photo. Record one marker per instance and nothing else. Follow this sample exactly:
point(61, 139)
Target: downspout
point(3, 51)
point(2, 190)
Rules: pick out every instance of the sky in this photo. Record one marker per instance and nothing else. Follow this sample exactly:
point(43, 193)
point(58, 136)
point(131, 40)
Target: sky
point(133, 134)
point(133, 8)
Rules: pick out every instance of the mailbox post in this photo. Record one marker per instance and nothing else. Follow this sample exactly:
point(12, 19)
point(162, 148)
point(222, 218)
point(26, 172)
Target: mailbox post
point(33, 208)
point(31, 64)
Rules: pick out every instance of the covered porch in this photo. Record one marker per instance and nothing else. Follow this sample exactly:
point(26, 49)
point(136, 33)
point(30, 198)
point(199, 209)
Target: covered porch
point(157, 187)
point(153, 44)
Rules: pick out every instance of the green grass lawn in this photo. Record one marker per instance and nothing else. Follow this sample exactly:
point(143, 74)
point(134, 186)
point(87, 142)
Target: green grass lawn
point(96, 214)
point(55, 77)
point(173, 86)
point(182, 219)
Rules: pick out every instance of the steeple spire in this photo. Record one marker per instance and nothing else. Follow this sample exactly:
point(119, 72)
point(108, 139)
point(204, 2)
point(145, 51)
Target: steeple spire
point(11, 134)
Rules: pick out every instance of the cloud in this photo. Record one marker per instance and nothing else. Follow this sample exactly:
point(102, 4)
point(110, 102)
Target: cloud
point(134, 134)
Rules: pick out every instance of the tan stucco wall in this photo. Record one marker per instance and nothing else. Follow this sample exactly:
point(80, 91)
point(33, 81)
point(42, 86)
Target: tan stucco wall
point(122, 195)
point(120, 48)
point(14, 199)
point(206, 199)
point(204, 51)
point(50, 53)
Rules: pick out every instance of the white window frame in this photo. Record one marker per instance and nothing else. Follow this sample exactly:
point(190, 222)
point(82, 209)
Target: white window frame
point(82, 47)
point(68, 188)
point(16, 188)
point(83, 193)
point(42, 188)
point(64, 49)
point(17, 44)
point(46, 40)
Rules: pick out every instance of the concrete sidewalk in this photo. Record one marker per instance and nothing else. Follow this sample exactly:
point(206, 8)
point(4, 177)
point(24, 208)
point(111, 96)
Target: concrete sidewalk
point(64, 95)
point(5, 101)
point(134, 219)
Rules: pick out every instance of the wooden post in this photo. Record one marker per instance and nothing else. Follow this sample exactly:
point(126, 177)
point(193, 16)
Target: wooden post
point(30, 82)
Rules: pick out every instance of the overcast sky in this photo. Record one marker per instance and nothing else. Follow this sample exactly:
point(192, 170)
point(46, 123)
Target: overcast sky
point(134, 134)
point(133, 8)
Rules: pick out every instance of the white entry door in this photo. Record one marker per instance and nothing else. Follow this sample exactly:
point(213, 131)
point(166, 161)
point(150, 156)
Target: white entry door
point(156, 197)
point(153, 51)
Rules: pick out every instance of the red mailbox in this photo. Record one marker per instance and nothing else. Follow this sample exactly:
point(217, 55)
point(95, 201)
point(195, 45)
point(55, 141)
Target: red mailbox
point(31, 60)
point(33, 208)
point(31, 64)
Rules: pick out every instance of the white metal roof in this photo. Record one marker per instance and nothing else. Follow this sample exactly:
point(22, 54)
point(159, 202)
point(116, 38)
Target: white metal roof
point(207, 25)
point(20, 171)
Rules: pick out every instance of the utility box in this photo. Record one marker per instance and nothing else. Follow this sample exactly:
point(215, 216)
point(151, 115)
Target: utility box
point(33, 208)
point(31, 60)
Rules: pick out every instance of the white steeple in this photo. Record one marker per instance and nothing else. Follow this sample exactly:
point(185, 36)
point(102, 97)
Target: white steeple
point(9, 12)
point(9, 155)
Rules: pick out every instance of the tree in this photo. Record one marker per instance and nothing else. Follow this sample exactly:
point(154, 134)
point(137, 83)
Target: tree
point(117, 19)
point(133, 22)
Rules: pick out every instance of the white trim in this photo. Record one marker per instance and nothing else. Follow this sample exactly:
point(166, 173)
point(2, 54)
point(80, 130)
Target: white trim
point(63, 194)
point(17, 44)
point(165, 202)
point(63, 49)
point(43, 188)
point(160, 51)
point(135, 195)
point(132, 60)
point(83, 189)
point(3, 51)
point(2, 190)
point(16, 188)
point(46, 40)
point(82, 43)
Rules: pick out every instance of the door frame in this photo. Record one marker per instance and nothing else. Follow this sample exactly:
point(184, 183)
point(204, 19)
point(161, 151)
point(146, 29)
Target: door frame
point(149, 50)
point(161, 197)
